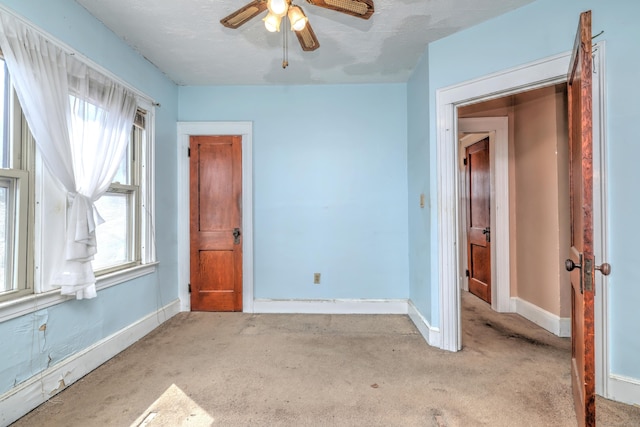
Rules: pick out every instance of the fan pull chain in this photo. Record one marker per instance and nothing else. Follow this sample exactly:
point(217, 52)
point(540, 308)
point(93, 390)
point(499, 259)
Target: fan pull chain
point(285, 43)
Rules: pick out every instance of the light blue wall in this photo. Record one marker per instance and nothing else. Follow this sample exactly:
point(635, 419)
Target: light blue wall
point(542, 29)
point(418, 172)
point(75, 325)
point(330, 185)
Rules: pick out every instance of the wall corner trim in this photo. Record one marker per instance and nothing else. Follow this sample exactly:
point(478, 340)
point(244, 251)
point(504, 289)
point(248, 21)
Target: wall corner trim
point(429, 333)
point(26, 396)
point(559, 326)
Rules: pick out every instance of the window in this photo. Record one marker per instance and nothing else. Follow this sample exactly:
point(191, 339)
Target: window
point(33, 214)
point(125, 238)
point(119, 236)
point(15, 169)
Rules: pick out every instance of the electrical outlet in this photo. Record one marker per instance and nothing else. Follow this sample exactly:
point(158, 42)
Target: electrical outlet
point(316, 278)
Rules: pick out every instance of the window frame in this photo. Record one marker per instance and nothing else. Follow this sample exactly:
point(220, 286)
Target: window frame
point(146, 260)
point(132, 190)
point(20, 176)
point(16, 233)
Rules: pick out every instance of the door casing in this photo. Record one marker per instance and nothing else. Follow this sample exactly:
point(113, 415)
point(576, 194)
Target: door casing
point(531, 76)
point(185, 130)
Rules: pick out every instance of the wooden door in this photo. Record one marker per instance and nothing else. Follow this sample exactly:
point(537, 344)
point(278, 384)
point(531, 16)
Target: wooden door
point(216, 222)
point(478, 171)
point(581, 262)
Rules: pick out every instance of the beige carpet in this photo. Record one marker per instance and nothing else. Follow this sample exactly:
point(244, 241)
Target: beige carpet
point(202, 369)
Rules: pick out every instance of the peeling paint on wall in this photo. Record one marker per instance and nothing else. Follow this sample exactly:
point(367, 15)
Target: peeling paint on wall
point(27, 354)
point(61, 386)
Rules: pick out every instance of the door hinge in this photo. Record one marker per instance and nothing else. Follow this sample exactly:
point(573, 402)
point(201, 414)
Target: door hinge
point(189, 287)
point(188, 152)
point(465, 161)
point(466, 273)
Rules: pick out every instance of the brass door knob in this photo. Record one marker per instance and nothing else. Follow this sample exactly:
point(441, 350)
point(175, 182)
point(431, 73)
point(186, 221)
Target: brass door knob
point(605, 268)
point(570, 265)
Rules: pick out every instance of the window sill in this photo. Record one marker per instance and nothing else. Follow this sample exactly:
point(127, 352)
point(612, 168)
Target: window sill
point(34, 302)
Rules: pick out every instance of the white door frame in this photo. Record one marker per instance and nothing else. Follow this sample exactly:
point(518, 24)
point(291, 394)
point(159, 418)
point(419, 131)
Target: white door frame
point(185, 130)
point(538, 74)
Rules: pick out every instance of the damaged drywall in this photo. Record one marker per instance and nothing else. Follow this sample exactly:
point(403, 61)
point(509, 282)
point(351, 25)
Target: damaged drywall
point(24, 353)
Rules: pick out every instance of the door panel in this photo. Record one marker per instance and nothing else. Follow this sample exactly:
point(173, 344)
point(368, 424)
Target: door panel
point(580, 262)
point(216, 220)
point(216, 270)
point(216, 186)
point(479, 219)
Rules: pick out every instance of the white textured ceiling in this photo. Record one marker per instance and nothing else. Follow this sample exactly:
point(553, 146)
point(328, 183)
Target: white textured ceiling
point(185, 39)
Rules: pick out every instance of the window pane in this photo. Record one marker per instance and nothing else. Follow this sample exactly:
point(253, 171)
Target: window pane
point(113, 243)
point(122, 175)
point(5, 237)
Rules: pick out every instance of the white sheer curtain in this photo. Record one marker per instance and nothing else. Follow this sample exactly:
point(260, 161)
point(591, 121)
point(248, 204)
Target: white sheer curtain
point(81, 122)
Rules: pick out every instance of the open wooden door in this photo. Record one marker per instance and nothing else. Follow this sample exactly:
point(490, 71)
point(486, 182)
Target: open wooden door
point(478, 171)
point(581, 263)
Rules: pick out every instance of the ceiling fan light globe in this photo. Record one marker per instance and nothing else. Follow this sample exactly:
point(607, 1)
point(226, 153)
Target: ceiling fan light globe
point(278, 7)
point(299, 26)
point(297, 18)
point(272, 22)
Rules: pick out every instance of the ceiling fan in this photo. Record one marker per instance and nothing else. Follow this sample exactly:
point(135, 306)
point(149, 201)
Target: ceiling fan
point(279, 9)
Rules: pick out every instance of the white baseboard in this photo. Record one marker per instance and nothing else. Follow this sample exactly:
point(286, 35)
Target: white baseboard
point(26, 396)
point(331, 306)
point(429, 333)
point(565, 327)
point(560, 326)
point(624, 389)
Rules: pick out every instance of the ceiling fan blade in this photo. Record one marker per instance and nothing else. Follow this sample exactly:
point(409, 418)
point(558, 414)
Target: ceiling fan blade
point(307, 38)
point(244, 14)
point(359, 8)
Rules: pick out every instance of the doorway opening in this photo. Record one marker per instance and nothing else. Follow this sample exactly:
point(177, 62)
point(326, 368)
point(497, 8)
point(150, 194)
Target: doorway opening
point(543, 73)
point(534, 226)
